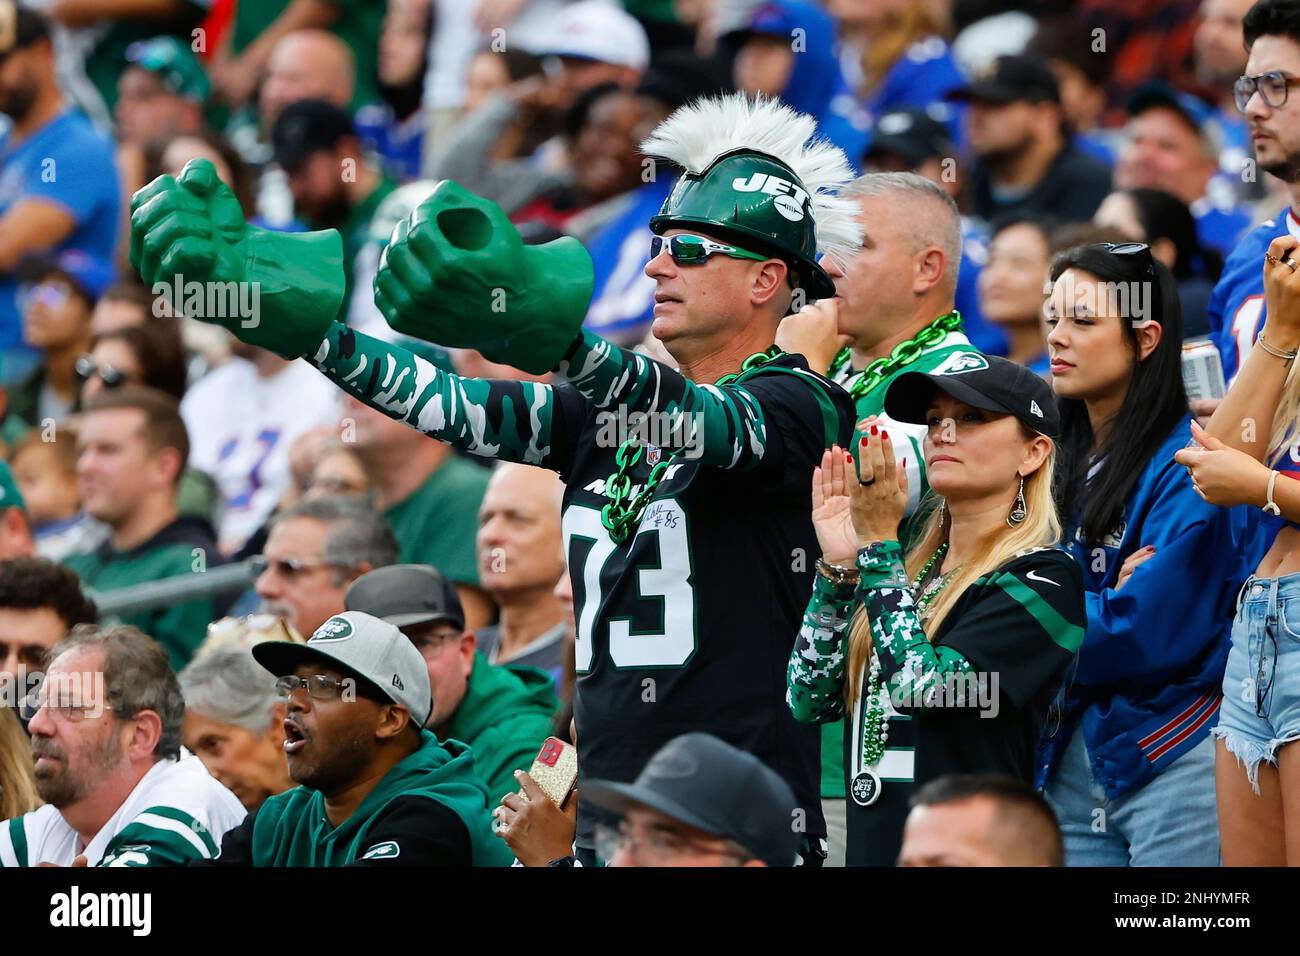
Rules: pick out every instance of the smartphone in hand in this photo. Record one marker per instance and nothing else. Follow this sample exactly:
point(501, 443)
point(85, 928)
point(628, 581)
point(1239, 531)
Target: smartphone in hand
point(555, 769)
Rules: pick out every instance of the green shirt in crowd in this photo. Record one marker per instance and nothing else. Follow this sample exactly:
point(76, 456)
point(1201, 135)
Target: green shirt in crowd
point(183, 547)
point(437, 523)
point(505, 716)
point(430, 809)
point(357, 25)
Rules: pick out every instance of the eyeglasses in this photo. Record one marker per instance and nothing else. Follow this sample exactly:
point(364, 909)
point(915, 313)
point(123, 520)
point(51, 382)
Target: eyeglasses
point(318, 686)
point(688, 249)
point(51, 294)
point(87, 367)
point(333, 485)
point(654, 847)
point(1272, 86)
point(291, 568)
point(64, 709)
point(430, 643)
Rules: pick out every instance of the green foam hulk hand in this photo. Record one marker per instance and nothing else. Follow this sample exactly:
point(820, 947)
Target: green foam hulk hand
point(276, 290)
point(457, 273)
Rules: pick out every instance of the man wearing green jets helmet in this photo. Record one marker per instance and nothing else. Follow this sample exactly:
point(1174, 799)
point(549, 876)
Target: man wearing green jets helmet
point(686, 515)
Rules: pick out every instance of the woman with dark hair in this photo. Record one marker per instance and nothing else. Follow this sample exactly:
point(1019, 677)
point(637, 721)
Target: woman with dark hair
point(1129, 741)
point(1165, 223)
point(149, 354)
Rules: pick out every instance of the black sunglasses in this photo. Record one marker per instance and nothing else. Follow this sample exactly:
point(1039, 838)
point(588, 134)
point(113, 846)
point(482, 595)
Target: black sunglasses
point(87, 367)
point(1136, 249)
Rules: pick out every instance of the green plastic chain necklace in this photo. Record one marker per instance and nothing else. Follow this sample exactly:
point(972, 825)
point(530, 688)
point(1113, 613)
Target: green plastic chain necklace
point(875, 722)
point(903, 354)
point(622, 513)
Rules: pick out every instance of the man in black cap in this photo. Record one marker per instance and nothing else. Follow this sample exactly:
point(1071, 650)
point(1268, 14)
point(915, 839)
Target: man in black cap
point(699, 802)
point(503, 712)
point(1025, 160)
point(334, 185)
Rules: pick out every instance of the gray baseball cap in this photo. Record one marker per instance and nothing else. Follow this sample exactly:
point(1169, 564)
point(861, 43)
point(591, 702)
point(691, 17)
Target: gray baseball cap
point(707, 783)
point(366, 646)
point(405, 594)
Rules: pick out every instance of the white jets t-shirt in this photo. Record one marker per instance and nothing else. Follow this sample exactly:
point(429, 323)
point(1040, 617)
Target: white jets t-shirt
point(177, 812)
point(241, 426)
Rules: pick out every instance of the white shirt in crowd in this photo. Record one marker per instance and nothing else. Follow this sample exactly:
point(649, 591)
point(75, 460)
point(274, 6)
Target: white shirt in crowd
point(241, 425)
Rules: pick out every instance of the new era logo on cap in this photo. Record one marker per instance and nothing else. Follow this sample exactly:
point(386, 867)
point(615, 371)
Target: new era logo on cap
point(335, 629)
point(960, 362)
point(1034, 409)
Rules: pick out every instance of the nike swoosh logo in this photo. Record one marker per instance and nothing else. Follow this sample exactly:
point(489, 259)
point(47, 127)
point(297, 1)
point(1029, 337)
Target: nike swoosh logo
point(1034, 577)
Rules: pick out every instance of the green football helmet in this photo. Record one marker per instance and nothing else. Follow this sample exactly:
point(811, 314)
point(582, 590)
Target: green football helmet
point(756, 202)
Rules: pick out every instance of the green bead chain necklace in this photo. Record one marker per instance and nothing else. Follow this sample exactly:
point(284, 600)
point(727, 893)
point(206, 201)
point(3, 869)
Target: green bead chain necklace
point(622, 512)
point(876, 721)
point(903, 354)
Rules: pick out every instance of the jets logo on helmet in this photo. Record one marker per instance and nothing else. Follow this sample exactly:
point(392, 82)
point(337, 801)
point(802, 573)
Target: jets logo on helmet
point(788, 198)
point(960, 362)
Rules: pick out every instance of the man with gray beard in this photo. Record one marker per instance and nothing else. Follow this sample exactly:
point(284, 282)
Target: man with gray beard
point(106, 731)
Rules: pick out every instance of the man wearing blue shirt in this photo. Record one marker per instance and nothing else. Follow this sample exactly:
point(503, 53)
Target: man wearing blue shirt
point(58, 181)
point(1236, 309)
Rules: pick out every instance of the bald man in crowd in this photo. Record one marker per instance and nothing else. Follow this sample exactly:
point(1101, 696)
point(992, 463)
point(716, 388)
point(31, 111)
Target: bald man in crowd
point(307, 65)
point(980, 820)
point(520, 560)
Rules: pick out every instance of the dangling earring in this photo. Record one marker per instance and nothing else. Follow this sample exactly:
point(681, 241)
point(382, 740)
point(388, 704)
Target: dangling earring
point(943, 510)
point(1018, 510)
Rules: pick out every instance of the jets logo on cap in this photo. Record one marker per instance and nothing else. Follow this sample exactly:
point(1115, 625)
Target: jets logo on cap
point(789, 197)
point(1034, 409)
point(960, 362)
point(335, 629)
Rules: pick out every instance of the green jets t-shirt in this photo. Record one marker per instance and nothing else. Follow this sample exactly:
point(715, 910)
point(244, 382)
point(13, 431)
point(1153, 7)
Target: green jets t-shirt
point(437, 523)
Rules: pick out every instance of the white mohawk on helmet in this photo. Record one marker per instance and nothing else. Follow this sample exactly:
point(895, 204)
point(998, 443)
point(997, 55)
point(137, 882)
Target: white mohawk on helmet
point(697, 134)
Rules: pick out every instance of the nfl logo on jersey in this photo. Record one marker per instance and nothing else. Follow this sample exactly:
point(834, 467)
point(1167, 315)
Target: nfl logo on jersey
point(652, 455)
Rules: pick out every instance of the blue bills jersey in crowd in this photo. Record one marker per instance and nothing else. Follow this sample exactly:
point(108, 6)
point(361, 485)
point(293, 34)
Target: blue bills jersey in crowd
point(985, 336)
point(1237, 305)
point(920, 79)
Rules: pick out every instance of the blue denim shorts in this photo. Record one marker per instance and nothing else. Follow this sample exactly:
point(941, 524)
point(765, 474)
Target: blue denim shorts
point(1261, 687)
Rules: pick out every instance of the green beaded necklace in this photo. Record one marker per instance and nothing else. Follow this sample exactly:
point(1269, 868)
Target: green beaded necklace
point(622, 513)
point(875, 721)
point(903, 354)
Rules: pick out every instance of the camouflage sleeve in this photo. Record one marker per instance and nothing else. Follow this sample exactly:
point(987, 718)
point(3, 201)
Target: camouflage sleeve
point(494, 418)
point(912, 668)
point(814, 686)
point(721, 426)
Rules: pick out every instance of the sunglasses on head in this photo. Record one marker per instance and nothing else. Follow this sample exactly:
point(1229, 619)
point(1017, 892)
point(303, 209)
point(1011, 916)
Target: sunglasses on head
point(112, 377)
point(1138, 250)
point(688, 249)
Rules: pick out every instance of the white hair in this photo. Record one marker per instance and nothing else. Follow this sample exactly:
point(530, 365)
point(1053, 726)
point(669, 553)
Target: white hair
point(697, 134)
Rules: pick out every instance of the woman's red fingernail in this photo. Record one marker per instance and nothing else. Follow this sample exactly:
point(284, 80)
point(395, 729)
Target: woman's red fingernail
point(904, 462)
point(884, 435)
point(864, 440)
point(874, 430)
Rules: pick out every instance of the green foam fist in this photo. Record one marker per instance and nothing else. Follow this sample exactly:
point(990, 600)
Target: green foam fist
point(276, 290)
point(457, 273)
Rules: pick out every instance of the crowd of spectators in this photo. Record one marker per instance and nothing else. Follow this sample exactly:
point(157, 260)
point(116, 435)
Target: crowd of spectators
point(1009, 152)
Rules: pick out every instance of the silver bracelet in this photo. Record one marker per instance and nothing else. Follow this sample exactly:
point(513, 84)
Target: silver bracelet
point(1277, 353)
